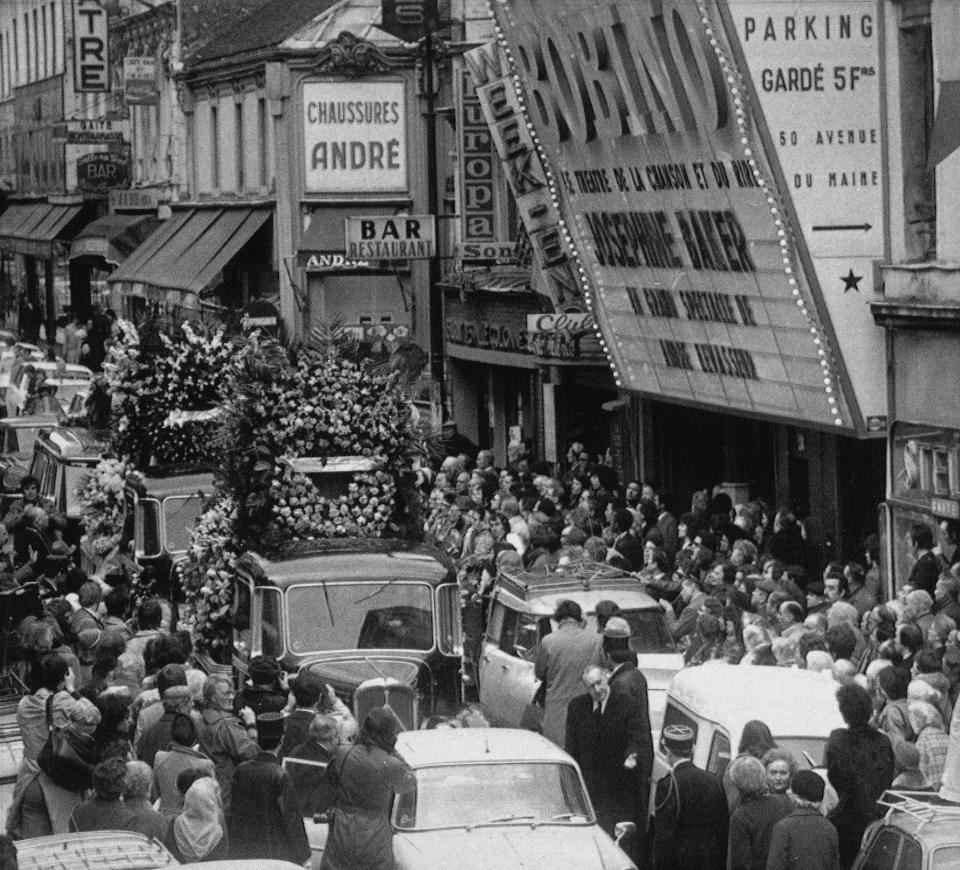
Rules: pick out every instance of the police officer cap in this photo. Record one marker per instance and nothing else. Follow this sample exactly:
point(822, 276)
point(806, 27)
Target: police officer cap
point(616, 627)
point(677, 737)
point(270, 725)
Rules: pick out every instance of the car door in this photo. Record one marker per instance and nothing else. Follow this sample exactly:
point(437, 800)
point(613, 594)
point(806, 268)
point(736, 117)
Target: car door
point(889, 849)
point(506, 676)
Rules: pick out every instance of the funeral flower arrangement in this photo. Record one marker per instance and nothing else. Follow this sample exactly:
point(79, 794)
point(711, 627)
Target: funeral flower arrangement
point(319, 402)
point(207, 577)
point(100, 495)
point(166, 392)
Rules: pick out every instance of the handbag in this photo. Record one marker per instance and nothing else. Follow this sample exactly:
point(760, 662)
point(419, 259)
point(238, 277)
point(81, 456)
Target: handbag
point(67, 756)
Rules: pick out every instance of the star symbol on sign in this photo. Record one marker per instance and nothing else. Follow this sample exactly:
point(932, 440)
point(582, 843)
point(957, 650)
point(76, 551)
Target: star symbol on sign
point(851, 281)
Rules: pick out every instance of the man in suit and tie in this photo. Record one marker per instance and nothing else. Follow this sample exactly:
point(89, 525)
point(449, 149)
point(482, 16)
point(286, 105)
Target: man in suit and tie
point(690, 817)
point(605, 737)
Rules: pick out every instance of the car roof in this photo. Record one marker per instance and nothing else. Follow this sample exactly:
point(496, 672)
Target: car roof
point(350, 560)
point(183, 484)
point(441, 746)
point(30, 421)
point(76, 371)
point(924, 816)
point(100, 849)
point(74, 443)
point(790, 701)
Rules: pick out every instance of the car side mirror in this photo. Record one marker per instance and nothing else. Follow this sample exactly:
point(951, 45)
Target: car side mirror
point(520, 650)
point(622, 830)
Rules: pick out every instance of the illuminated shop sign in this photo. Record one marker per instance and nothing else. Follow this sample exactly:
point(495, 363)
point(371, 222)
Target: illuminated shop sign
point(816, 72)
point(477, 168)
point(354, 137)
point(670, 206)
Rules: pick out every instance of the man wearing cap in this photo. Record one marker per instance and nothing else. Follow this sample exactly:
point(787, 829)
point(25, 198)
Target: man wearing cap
point(265, 820)
point(561, 657)
point(690, 817)
point(804, 839)
point(605, 734)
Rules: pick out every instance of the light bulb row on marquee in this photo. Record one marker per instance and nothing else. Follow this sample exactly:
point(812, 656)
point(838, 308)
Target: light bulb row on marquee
point(738, 93)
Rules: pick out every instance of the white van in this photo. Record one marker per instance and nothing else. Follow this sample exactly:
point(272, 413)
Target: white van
point(717, 699)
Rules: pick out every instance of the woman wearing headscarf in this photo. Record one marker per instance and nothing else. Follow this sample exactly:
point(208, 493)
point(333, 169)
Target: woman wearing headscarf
point(366, 776)
point(198, 833)
point(755, 815)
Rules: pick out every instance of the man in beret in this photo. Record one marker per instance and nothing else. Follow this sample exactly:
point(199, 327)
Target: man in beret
point(804, 838)
point(690, 817)
point(265, 820)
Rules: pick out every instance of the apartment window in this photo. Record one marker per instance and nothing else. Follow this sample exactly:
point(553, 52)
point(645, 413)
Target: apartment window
point(36, 46)
point(215, 147)
point(53, 38)
point(3, 65)
point(916, 129)
point(46, 42)
point(26, 44)
point(262, 140)
point(238, 148)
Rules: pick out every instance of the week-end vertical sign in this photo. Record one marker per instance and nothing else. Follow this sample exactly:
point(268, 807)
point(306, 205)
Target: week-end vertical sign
point(91, 57)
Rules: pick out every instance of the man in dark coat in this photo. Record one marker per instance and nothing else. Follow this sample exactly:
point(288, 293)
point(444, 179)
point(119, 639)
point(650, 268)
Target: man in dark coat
point(604, 734)
point(265, 819)
point(307, 765)
point(860, 767)
point(306, 689)
point(690, 820)
point(804, 840)
point(926, 569)
point(267, 692)
point(626, 679)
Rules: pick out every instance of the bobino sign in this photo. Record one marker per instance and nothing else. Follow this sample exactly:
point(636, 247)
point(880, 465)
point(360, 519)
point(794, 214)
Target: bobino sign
point(354, 137)
point(660, 195)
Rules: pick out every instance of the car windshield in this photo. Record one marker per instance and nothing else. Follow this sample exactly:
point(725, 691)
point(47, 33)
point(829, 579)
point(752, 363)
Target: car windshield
point(370, 615)
point(809, 751)
point(180, 513)
point(475, 795)
point(648, 631)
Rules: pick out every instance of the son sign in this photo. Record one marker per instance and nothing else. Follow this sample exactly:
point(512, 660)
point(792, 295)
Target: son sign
point(91, 61)
point(354, 137)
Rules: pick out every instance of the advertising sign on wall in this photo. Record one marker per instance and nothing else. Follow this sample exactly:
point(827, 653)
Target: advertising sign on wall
point(477, 167)
point(140, 81)
point(816, 70)
point(668, 198)
point(405, 237)
point(91, 59)
point(354, 137)
point(99, 172)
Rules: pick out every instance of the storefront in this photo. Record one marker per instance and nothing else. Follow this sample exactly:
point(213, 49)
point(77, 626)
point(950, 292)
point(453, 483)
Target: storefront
point(921, 315)
point(205, 260)
point(35, 240)
point(518, 374)
point(711, 236)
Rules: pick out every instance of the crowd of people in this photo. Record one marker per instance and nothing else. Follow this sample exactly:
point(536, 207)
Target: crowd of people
point(742, 584)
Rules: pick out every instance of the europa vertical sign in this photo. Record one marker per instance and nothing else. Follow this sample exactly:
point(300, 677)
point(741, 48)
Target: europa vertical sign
point(354, 136)
point(477, 160)
point(816, 71)
point(670, 201)
point(91, 58)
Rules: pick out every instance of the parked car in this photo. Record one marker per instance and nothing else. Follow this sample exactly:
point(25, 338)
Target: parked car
point(67, 382)
point(919, 832)
point(521, 607)
point(117, 850)
point(61, 458)
point(717, 699)
point(496, 797)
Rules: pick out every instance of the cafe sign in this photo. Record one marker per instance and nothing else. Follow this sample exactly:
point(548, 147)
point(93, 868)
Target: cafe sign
point(669, 205)
point(98, 173)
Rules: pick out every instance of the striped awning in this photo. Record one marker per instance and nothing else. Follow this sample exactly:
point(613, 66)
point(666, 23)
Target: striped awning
point(32, 228)
point(489, 280)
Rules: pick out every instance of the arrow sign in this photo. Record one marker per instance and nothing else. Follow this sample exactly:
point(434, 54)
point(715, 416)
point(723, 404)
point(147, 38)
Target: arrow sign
point(829, 227)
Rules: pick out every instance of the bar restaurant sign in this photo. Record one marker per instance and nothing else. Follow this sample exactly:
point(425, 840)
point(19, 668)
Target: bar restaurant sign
point(403, 237)
point(354, 137)
point(667, 195)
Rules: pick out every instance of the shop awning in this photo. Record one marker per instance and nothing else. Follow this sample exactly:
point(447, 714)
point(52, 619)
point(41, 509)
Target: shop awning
point(113, 237)
point(31, 228)
point(489, 280)
point(187, 252)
